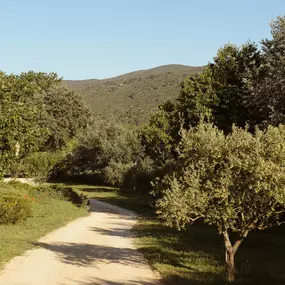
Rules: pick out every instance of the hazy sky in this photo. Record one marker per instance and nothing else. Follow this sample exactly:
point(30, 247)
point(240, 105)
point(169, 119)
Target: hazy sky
point(82, 39)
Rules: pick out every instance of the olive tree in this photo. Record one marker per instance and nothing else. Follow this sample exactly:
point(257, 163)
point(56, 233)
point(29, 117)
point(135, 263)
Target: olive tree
point(234, 182)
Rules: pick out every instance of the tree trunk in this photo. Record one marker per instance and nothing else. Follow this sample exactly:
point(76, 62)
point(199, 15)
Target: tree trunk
point(230, 264)
point(230, 254)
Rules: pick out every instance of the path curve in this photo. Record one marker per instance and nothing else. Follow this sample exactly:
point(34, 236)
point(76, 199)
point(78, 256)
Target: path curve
point(94, 250)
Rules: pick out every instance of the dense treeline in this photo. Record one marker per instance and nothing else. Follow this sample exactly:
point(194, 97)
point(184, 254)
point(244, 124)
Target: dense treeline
point(216, 153)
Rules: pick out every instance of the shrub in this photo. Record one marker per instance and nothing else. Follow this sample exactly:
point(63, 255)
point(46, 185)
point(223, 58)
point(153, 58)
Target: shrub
point(65, 193)
point(37, 165)
point(72, 196)
point(114, 174)
point(139, 177)
point(13, 209)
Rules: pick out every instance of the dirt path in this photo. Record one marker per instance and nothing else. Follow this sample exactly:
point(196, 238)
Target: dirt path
point(95, 250)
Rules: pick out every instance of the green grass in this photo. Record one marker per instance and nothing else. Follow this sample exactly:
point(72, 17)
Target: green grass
point(47, 214)
point(120, 197)
point(196, 256)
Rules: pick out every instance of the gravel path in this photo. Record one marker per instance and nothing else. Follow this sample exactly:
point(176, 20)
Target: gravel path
point(94, 250)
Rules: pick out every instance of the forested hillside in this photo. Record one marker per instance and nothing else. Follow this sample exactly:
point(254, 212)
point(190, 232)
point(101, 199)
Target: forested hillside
point(132, 97)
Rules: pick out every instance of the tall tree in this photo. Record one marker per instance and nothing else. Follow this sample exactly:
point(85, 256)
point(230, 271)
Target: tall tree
point(20, 113)
point(37, 113)
point(267, 100)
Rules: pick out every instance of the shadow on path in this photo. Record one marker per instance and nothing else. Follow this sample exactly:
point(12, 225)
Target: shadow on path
point(86, 254)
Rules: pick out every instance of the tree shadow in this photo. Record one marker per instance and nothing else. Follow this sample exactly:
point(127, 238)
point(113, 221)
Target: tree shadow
point(100, 281)
point(260, 259)
point(100, 189)
point(80, 254)
point(102, 207)
point(119, 232)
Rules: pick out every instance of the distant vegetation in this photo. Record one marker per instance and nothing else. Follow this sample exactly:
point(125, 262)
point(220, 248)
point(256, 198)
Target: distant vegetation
point(132, 97)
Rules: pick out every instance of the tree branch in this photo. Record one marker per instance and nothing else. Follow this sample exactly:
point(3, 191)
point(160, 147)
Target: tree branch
point(228, 243)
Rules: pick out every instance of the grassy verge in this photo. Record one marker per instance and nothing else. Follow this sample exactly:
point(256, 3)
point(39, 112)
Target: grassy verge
point(48, 213)
point(196, 256)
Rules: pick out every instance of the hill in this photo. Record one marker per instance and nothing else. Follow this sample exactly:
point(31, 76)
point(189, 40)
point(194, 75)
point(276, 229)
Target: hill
point(131, 97)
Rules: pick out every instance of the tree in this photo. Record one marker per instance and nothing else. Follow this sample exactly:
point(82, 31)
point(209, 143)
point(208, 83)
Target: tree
point(158, 135)
point(266, 98)
point(64, 112)
point(220, 92)
point(197, 98)
point(37, 113)
point(20, 112)
point(65, 116)
point(235, 182)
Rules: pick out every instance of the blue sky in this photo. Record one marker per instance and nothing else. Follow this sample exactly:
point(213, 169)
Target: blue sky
point(82, 39)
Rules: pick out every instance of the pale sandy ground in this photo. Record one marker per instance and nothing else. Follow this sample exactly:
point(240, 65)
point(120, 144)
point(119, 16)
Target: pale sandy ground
point(29, 181)
point(94, 250)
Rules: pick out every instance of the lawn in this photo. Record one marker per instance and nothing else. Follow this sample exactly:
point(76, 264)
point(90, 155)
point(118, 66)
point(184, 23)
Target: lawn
point(196, 256)
point(48, 213)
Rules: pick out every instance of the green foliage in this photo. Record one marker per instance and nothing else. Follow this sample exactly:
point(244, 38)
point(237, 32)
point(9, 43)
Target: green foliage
point(219, 94)
point(232, 90)
point(59, 192)
point(39, 164)
point(13, 208)
point(234, 182)
point(36, 165)
point(36, 113)
point(68, 194)
point(196, 98)
point(65, 116)
point(268, 86)
point(20, 111)
point(131, 97)
point(114, 173)
point(139, 177)
point(157, 137)
point(108, 151)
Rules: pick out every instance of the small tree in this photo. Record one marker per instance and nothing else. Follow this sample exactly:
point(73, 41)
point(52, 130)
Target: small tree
point(235, 182)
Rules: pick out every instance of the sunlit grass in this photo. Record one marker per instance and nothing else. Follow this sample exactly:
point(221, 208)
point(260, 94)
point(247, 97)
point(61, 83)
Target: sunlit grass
point(47, 214)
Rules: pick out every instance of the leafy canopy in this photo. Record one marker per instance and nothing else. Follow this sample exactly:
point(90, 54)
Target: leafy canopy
point(236, 182)
point(36, 113)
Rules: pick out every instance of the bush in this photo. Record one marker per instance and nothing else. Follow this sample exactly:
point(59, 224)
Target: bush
point(114, 174)
point(139, 177)
point(72, 196)
point(37, 165)
point(13, 209)
point(65, 193)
